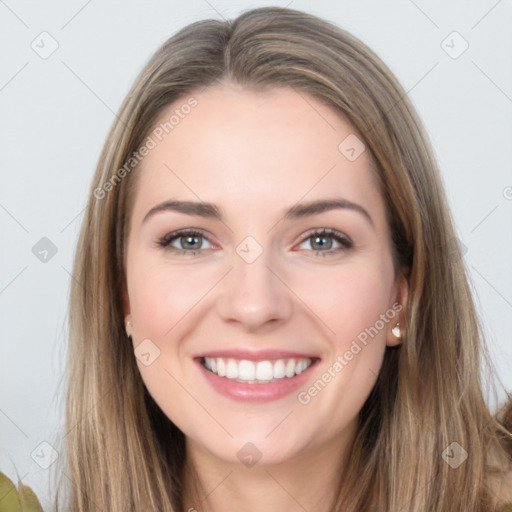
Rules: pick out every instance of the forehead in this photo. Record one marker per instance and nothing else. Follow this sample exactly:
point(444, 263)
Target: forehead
point(269, 147)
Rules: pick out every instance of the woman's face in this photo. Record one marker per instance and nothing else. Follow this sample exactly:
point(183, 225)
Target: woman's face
point(259, 288)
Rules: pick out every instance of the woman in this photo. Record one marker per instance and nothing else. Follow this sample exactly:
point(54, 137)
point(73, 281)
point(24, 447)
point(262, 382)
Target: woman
point(270, 310)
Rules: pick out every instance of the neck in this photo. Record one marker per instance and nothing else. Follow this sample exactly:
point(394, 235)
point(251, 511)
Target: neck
point(307, 481)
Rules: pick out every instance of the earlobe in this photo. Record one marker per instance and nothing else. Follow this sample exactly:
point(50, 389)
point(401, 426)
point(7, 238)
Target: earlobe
point(128, 325)
point(127, 314)
point(395, 335)
point(126, 302)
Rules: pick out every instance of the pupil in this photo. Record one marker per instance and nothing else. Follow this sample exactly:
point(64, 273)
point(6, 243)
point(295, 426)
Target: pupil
point(191, 240)
point(323, 244)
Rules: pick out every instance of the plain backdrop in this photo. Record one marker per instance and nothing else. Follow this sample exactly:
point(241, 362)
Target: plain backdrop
point(56, 109)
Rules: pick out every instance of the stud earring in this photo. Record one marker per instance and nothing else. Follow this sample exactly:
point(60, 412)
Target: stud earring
point(396, 331)
point(128, 328)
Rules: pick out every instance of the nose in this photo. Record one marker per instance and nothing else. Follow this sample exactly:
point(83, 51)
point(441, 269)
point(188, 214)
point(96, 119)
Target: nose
point(254, 295)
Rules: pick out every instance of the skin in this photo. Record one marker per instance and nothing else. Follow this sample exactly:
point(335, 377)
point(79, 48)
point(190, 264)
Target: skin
point(255, 154)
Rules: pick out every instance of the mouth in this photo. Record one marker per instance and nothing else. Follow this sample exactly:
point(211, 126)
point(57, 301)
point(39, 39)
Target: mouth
point(256, 372)
point(256, 377)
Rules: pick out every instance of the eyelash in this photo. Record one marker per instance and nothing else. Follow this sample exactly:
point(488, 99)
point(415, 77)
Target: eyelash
point(344, 241)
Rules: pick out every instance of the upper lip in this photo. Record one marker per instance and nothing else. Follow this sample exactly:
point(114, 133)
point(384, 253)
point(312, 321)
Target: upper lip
point(253, 355)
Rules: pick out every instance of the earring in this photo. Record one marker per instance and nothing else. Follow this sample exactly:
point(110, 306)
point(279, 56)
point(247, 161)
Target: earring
point(396, 331)
point(128, 329)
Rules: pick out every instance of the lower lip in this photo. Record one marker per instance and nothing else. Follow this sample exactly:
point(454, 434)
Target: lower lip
point(256, 392)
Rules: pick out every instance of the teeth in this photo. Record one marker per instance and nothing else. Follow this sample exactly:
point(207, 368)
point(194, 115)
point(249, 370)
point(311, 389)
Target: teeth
point(260, 372)
point(301, 367)
point(290, 368)
point(246, 370)
point(264, 370)
point(279, 370)
point(232, 369)
point(221, 367)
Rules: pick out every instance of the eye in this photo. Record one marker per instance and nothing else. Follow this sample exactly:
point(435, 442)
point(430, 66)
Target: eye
point(323, 242)
point(189, 241)
point(184, 241)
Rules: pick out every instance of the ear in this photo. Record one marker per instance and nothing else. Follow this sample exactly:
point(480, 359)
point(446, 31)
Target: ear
point(395, 334)
point(126, 302)
point(127, 313)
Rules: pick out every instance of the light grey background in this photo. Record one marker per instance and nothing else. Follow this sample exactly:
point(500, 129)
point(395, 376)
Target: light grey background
point(55, 113)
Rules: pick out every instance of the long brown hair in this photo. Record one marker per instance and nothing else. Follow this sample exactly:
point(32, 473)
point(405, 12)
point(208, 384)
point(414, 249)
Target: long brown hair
point(123, 453)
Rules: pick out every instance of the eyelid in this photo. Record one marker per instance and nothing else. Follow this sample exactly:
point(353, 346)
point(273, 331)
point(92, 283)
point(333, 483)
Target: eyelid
point(342, 239)
point(165, 241)
point(326, 231)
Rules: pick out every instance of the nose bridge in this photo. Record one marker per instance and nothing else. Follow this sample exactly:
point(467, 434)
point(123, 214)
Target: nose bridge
point(254, 294)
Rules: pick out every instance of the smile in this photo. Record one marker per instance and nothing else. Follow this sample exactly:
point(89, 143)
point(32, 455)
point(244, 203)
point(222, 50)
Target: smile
point(256, 372)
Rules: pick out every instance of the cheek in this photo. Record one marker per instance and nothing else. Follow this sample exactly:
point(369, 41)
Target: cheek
point(161, 294)
point(349, 299)
point(352, 305)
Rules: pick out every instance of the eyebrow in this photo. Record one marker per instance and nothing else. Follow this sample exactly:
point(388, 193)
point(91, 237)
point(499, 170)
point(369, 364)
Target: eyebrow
point(209, 210)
